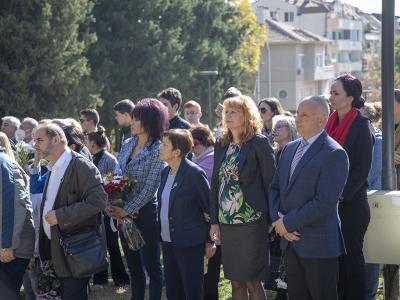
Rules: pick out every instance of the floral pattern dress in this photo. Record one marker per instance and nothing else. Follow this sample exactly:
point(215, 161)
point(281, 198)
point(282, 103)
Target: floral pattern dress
point(232, 208)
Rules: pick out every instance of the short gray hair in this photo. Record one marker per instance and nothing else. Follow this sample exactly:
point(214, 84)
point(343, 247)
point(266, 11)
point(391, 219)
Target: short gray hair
point(13, 120)
point(53, 130)
point(31, 122)
point(321, 103)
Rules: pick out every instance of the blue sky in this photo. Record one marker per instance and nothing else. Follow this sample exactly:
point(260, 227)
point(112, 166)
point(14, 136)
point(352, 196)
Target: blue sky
point(372, 6)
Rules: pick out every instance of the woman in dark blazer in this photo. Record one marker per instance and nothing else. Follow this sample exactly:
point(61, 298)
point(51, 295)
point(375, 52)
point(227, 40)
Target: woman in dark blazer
point(243, 169)
point(354, 133)
point(140, 159)
point(183, 201)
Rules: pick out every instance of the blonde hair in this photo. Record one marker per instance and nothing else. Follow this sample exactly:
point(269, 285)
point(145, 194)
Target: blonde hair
point(192, 103)
point(5, 143)
point(290, 124)
point(252, 119)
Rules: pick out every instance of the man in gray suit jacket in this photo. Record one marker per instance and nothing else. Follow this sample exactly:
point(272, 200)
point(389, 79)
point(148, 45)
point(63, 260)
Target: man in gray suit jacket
point(72, 200)
point(304, 196)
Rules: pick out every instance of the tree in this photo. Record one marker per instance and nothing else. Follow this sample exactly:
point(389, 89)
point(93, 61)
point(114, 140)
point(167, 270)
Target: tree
point(146, 46)
point(43, 68)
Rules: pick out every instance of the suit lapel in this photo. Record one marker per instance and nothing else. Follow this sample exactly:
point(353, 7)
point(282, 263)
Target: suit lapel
point(244, 150)
point(177, 182)
point(286, 169)
point(310, 153)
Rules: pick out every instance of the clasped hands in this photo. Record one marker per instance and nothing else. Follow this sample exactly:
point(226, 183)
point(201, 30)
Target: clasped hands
point(280, 229)
point(7, 255)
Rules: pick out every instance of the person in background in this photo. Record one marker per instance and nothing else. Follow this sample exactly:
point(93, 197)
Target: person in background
point(106, 163)
point(27, 125)
point(192, 112)
point(139, 159)
point(17, 239)
point(203, 151)
point(123, 110)
point(172, 99)
point(9, 126)
point(283, 131)
point(397, 134)
point(243, 168)
point(355, 134)
point(89, 119)
point(269, 107)
point(203, 148)
point(183, 198)
point(6, 145)
point(373, 113)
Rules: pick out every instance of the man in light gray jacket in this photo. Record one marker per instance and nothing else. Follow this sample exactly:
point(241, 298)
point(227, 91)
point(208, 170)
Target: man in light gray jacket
point(17, 235)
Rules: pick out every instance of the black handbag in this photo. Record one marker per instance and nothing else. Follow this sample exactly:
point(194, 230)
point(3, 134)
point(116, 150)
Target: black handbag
point(85, 252)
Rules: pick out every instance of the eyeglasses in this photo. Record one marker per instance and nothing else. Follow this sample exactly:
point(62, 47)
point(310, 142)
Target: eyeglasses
point(263, 110)
point(191, 112)
point(279, 126)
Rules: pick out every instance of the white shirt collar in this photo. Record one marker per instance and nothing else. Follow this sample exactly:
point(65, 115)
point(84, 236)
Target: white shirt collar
point(61, 160)
point(312, 139)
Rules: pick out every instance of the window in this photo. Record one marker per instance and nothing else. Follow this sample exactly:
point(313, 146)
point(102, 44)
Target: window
point(272, 14)
point(346, 35)
point(334, 35)
point(289, 16)
point(339, 35)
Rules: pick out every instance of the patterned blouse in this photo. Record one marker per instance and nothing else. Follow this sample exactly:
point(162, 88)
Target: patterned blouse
point(145, 167)
point(232, 208)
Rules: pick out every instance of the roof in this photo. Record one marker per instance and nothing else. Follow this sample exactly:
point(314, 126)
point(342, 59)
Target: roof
point(309, 6)
point(283, 32)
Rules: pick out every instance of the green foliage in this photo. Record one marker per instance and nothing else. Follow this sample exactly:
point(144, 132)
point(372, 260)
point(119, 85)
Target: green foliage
point(146, 46)
point(43, 68)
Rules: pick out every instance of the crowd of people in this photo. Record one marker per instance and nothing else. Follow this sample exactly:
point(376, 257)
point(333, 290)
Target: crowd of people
point(278, 198)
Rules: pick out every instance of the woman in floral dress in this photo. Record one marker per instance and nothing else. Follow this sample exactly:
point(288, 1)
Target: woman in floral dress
point(243, 168)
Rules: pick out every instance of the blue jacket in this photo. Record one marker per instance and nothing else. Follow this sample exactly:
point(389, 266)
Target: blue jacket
point(309, 200)
point(189, 199)
point(375, 174)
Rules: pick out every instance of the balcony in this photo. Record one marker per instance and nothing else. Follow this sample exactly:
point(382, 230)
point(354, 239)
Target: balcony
point(339, 23)
point(348, 45)
point(324, 73)
point(348, 67)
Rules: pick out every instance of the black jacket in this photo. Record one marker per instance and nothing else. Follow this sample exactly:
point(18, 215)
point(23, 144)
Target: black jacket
point(359, 145)
point(256, 169)
point(178, 122)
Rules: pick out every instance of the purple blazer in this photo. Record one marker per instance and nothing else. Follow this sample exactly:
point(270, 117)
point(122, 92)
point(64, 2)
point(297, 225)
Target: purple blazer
point(206, 162)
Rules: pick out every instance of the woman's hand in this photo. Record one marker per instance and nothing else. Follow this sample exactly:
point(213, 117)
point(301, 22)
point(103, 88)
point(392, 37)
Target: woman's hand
point(210, 250)
point(215, 233)
point(206, 217)
point(7, 255)
point(116, 212)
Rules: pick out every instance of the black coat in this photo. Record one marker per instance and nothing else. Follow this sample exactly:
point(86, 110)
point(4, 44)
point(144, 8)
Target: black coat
point(256, 169)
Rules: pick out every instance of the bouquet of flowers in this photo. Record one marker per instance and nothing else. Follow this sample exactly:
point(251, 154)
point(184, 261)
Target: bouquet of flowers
point(119, 188)
point(48, 282)
point(24, 152)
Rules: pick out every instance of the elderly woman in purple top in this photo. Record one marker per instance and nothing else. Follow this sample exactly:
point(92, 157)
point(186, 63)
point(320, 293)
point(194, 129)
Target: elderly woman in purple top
point(203, 148)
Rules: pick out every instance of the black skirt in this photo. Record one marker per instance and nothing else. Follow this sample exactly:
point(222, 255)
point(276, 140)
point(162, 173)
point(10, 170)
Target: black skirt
point(245, 251)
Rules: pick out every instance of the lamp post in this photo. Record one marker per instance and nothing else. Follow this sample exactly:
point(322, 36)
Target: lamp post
point(208, 74)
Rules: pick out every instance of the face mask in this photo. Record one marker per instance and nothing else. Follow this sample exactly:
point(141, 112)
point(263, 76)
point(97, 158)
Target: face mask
point(20, 134)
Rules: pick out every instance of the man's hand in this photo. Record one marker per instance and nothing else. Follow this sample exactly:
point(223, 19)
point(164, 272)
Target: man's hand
point(116, 212)
point(279, 227)
point(215, 233)
point(210, 250)
point(292, 237)
point(7, 255)
point(206, 217)
point(51, 218)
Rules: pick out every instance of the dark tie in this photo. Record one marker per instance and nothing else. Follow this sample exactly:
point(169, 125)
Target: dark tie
point(298, 155)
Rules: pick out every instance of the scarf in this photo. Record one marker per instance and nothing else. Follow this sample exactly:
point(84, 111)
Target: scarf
point(339, 131)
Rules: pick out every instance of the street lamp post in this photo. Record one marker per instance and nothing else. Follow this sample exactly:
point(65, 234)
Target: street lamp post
point(209, 74)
